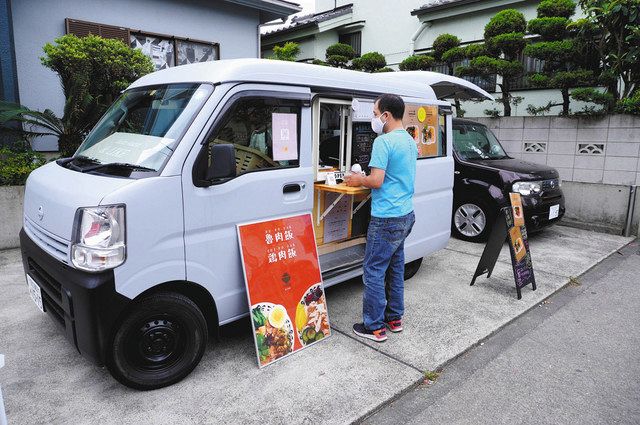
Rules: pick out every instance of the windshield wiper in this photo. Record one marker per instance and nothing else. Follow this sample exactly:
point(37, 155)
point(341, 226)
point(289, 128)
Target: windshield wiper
point(124, 165)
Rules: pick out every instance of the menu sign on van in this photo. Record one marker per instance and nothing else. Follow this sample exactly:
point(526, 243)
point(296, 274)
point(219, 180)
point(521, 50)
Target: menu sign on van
point(287, 304)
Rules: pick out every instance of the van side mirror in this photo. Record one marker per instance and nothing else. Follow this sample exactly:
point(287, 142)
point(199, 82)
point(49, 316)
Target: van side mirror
point(223, 162)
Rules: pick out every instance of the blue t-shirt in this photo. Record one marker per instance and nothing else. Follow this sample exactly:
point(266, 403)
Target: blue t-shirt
point(395, 153)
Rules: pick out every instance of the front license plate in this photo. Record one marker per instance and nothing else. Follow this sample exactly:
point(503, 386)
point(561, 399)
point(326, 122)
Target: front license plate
point(554, 211)
point(35, 292)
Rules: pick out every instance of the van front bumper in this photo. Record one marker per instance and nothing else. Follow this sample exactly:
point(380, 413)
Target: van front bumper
point(86, 305)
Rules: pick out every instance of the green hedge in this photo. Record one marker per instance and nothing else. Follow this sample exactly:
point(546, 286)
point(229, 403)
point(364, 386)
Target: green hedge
point(15, 165)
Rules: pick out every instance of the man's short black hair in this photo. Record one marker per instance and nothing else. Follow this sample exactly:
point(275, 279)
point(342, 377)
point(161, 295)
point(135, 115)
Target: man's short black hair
point(391, 103)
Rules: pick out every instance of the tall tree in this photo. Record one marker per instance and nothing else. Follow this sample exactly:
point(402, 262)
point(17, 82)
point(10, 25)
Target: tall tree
point(504, 42)
point(447, 50)
point(566, 65)
point(618, 43)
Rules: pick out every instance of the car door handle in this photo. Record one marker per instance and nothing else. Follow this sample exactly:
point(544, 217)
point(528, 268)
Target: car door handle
point(291, 188)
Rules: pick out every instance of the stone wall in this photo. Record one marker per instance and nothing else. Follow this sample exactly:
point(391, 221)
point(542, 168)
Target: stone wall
point(600, 150)
point(598, 160)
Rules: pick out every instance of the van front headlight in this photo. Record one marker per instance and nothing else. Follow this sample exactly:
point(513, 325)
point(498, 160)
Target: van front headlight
point(99, 238)
point(527, 188)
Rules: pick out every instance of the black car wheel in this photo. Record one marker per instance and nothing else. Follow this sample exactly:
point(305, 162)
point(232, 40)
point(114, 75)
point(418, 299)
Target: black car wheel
point(472, 220)
point(158, 343)
point(410, 269)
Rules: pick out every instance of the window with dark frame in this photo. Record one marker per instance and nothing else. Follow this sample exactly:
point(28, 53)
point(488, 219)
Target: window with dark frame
point(165, 51)
point(353, 39)
point(249, 126)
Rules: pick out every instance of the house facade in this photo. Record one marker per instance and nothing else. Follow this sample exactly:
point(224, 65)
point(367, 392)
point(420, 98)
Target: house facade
point(401, 28)
point(171, 33)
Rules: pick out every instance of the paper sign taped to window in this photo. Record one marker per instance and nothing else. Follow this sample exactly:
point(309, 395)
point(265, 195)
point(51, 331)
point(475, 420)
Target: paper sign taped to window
point(285, 136)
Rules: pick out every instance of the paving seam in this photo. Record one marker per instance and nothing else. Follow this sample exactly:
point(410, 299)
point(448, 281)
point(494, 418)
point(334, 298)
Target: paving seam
point(446, 363)
point(481, 341)
point(514, 334)
point(504, 262)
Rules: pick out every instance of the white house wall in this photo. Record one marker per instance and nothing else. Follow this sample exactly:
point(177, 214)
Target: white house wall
point(36, 23)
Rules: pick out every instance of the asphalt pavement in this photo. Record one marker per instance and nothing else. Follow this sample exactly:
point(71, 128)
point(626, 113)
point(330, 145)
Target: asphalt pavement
point(573, 359)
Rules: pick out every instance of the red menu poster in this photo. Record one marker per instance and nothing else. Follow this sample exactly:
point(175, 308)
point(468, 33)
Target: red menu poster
point(288, 308)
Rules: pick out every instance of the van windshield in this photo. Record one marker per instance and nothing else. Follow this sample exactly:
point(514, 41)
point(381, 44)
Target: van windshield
point(142, 128)
point(475, 141)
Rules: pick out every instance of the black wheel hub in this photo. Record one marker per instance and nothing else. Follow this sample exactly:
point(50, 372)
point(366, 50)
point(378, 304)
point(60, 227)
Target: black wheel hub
point(157, 344)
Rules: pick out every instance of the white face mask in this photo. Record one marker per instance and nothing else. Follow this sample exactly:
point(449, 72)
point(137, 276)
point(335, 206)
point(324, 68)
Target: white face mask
point(377, 125)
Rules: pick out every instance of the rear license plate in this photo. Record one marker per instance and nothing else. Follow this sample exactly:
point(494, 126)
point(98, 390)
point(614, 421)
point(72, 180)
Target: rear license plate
point(554, 211)
point(35, 292)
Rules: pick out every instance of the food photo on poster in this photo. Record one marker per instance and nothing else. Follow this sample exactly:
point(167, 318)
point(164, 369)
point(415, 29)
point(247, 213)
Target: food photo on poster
point(288, 307)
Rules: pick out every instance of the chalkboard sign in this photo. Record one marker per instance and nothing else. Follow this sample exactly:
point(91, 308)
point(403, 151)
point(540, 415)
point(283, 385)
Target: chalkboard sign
point(503, 230)
point(362, 145)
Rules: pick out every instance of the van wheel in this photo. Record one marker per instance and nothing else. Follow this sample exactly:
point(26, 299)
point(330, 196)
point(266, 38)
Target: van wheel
point(472, 220)
point(158, 343)
point(410, 269)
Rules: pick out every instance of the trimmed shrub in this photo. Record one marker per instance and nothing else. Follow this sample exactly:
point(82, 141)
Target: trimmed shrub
point(341, 49)
point(417, 63)
point(370, 62)
point(443, 43)
point(562, 8)
point(505, 21)
point(15, 165)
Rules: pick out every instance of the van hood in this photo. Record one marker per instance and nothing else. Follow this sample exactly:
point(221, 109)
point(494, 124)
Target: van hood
point(513, 169)
point(54, 193)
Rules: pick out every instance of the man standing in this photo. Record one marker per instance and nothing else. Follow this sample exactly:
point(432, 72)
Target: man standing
point(393, 171)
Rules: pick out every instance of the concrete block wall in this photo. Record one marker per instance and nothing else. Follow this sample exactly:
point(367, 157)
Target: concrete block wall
point(598, 160)
point(11, 204)
point(589, 150)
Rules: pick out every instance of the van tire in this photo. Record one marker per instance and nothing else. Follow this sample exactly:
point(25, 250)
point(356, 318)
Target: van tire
point(159, 342)
point(476, 206)
point(410, 269)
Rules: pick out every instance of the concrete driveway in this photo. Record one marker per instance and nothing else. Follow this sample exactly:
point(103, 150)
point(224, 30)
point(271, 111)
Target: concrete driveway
point(338, 381)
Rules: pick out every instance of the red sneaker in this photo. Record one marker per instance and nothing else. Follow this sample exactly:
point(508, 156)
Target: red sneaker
point(378, 335)
point(394, 325)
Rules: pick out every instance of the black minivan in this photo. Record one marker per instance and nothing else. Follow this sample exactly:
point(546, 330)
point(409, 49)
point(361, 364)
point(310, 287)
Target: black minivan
point(484, 176)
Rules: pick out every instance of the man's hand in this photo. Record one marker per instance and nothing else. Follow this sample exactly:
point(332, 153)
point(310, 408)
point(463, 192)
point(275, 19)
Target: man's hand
point(354, 180)
point(372, 181)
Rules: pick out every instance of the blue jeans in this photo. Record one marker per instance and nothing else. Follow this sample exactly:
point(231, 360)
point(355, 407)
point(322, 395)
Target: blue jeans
point(384, 257)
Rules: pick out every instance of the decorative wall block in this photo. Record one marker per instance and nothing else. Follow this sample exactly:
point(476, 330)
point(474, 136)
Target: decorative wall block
point(539, 147)
point(591, 148)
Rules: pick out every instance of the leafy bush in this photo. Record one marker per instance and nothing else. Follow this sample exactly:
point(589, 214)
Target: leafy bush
point(341, 49)
point(338, 55)
point(561, 50)
point(550, 28)
point(475, 50)
point(385, 69)
point(289, 52)
point(505, 21)
point(563, 8)
point(93, 71)
point(443, 43)
point(417, 63)
point(319, 62)
point(630, 105)
point(104, 67)
point(15, 165)
point(370, 62)
point(510, 44)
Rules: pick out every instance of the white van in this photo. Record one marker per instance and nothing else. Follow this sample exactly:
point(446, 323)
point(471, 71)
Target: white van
point(131, 244)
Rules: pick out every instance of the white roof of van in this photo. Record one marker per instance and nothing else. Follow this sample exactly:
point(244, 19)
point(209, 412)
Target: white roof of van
point(444, 86)
point(282, 72)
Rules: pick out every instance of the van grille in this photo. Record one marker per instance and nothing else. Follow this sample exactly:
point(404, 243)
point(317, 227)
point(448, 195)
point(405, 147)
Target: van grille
point(51, 290)
point(54, 245)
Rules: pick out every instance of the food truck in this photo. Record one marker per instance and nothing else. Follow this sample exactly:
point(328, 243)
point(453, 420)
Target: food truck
point(131, 243)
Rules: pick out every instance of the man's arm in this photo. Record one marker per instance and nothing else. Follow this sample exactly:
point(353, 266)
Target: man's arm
point(372, 181)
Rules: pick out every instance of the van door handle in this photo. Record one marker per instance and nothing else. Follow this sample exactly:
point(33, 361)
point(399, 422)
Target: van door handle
point(291, 188)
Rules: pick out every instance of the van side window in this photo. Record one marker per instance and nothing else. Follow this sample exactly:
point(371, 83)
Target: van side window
point(250, 124)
